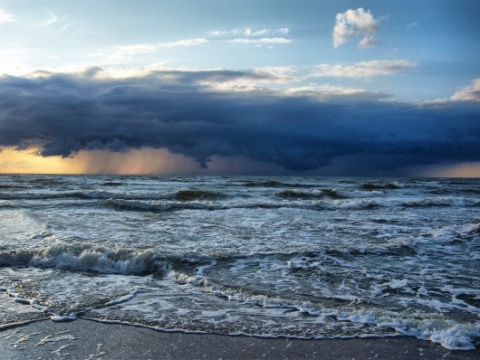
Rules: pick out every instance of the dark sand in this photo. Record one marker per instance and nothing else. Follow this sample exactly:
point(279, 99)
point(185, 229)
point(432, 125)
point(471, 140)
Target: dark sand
point(83, 339)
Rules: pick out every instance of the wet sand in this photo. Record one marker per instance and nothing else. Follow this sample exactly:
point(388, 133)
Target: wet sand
point(84, 339)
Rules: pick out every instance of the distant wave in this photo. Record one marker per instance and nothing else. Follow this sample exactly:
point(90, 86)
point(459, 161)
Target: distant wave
point(10, 187)
point(375, 186)
point(191, 195)
point(274, 184)
point(192, 199)
point(160, 206)
point(41, 196)
point(181, 195)
point(49, 181)
point(6, 205)
point(317, 202)
point(467, 191)
point(322, 194)
point(56, 195)
point(112, 183)
point(445, 201)
point(136, 205)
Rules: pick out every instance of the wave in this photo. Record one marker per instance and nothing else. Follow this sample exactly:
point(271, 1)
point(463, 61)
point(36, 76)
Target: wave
point(270, 183)
point(10, 187)
point(6, 205)
point(214, 200)
point(467, 191)
point(191, 195)
point(181, 195)
point(155, 206)
point(313, 204)
point(297, 200)
point(441, 201)
point(88, 259)
point(55, 195)
point(49, 181)
point(164, 206)
point(274, 184)
point(322, 194)
point(374, 203)
point(112, 183)
point(374, 186)
point(342, 315)
point(103, 260)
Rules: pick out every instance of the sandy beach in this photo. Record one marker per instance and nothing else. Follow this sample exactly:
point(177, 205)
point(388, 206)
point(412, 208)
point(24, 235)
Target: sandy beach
point(84, 339)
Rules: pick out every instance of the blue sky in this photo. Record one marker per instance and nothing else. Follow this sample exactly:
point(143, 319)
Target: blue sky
point(360, 59)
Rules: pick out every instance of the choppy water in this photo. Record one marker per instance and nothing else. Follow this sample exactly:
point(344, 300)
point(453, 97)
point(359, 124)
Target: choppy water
point(298, 257)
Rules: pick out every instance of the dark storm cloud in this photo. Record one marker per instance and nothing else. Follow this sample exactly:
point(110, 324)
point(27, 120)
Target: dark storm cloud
point(171, 109)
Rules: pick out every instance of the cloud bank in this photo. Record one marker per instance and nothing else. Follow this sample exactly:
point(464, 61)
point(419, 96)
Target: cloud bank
point(64, 114)
point(355, 23)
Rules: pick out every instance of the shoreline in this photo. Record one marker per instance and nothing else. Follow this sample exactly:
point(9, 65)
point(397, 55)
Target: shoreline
point(88, 339)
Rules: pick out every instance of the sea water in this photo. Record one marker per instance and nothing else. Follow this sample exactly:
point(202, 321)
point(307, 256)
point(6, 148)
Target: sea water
point(300, 257)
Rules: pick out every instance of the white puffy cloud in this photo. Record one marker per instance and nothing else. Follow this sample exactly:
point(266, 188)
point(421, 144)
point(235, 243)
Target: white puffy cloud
point(6, 17)
point(469, 93)
point(353, 23)
point(364, 68)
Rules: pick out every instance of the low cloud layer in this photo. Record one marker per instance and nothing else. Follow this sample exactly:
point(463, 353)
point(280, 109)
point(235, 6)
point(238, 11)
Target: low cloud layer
point(355, 23)
point(174, 110)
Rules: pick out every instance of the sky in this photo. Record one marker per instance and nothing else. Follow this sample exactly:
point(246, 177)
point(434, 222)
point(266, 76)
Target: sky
point(270, 87)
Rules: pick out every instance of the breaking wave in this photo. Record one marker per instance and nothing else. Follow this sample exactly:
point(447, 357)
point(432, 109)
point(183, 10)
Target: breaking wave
point(88, 259)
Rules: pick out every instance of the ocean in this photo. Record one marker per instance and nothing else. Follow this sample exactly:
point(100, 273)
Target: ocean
point(299, 257)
